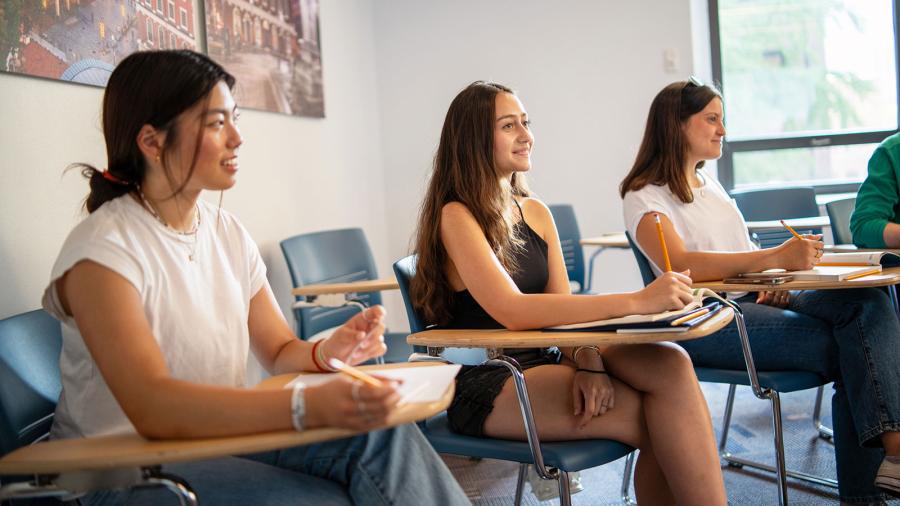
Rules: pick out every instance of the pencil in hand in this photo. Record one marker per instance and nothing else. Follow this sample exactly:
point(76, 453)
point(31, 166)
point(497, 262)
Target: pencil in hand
point(791, 230)
point(353, 372)
point(662, 243)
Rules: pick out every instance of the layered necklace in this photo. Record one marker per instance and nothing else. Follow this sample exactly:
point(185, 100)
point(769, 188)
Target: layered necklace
point(189, 237)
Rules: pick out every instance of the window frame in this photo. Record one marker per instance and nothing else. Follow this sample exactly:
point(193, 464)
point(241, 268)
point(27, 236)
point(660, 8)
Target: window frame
point(726, 162)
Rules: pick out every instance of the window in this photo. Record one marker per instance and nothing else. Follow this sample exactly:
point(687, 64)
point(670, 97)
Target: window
point(162, 38)
point(184, 18)
point(173, 42)
point(159, 5)
point(149, 31)
point(171, 10)
point(810, 88)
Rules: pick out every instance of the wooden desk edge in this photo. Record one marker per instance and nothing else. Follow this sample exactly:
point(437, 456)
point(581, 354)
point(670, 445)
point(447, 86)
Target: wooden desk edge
point(108, 452)
point(372, 285)
point(501, 338)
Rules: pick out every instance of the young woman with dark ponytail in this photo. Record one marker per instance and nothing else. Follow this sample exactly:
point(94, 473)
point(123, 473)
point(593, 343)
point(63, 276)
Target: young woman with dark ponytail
point(162, 296)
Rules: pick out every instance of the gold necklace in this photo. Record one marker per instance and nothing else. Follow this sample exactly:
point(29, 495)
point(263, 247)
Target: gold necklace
point(192, 233)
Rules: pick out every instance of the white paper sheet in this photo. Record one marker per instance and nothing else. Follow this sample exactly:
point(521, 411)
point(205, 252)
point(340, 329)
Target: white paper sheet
point(420, 384)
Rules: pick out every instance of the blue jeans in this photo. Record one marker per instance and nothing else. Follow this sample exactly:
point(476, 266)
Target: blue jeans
point(389, 467)
point(851, 337)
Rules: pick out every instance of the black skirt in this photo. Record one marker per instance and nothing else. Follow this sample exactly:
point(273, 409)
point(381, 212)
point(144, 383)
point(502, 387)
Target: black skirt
point(477, 387)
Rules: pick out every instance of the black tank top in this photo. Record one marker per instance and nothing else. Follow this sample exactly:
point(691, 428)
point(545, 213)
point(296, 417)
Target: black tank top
point(531, 276)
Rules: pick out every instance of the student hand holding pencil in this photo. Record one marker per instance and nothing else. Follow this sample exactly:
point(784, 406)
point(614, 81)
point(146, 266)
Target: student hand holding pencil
point(671, 290)
point(799, 252)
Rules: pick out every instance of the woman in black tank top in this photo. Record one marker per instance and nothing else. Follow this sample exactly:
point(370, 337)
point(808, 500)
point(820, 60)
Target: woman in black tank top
point(489, 257)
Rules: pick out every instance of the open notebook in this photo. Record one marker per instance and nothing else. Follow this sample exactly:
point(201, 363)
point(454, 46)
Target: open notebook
point(844, 266)
point(657, 322)
point(420, 384)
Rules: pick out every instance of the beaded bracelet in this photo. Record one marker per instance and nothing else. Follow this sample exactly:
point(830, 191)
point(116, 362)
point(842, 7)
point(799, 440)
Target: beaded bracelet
point(315, 355)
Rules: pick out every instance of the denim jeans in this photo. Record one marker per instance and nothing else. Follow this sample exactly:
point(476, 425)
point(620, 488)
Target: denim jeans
point(851, 337)
point(389, 467)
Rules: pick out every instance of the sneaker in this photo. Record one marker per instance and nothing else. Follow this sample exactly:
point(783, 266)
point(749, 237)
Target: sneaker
point(888, 477)
point(545, 490)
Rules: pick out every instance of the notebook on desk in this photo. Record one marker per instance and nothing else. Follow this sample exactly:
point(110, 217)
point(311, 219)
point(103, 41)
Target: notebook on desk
point(420, 384)
point(860, 259)
point(835, 272)
point(656, 322)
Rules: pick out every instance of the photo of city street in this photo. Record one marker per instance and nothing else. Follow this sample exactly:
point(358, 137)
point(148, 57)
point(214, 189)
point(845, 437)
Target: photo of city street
point(272, 48)
point(82, 40)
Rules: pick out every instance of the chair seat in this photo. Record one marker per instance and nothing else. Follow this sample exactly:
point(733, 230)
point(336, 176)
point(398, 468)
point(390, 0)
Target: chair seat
point(780, 381)
point(568, 456)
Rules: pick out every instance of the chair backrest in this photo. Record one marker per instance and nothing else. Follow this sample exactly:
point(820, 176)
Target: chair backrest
point(405, 270)
point(331, 256)
point(570, 240)
point(776, 204)
point(839, 212)
point(30, 344)
point(642, 261)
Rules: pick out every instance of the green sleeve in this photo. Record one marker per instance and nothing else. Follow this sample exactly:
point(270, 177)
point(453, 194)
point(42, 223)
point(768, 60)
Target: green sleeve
point(876, 201)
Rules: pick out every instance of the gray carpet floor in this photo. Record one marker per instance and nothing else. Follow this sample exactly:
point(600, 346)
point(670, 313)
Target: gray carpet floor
point(492, 482)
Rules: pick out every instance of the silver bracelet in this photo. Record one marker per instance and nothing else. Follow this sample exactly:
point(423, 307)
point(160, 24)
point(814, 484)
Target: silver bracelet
point(298, 406)
point(580, 348)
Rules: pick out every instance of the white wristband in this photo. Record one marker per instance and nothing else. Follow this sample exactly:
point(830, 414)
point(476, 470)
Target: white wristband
point(298, 406)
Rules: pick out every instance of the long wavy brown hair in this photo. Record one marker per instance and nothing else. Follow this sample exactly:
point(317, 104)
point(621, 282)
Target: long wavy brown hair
point(660, 159)
point(464, 171)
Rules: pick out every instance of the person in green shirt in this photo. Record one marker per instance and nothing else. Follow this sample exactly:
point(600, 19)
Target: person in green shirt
point(876, 219)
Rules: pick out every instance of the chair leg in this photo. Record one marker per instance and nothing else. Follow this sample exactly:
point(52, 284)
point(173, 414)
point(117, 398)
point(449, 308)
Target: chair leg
point(626, 479)
point(520, 484)
point(565, 495)
point(824, 431)
point(726, 424)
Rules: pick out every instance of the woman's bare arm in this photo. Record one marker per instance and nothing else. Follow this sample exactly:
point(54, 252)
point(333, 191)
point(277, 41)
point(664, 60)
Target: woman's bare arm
point(482, 274)
point(714, 265)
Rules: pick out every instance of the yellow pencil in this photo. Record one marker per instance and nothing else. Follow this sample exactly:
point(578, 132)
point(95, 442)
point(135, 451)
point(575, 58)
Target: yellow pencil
point(690, 316)
point(791, 230)
point(353, 372)
point(662, 242)
point(863, 274)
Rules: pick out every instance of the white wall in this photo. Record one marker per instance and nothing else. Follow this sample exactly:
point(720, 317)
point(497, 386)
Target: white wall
point(586, 72)
point(298, 174)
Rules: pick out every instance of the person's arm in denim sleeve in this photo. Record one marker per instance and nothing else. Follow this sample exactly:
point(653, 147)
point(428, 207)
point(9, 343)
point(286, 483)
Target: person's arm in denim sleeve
point(876, 202)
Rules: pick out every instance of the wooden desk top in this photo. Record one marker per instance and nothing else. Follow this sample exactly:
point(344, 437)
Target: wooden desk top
point(616, 240)
point(372, 285)
point(65, 455)
point(887, 277)
point(502, 338)
point(811, 222)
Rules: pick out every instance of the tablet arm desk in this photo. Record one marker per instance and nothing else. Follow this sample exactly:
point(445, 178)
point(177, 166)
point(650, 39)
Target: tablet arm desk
point(494, 341)
point(70, 467)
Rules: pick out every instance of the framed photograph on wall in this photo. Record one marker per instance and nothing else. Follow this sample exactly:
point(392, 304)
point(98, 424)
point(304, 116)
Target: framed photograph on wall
point(83, 40)
point(272, 48)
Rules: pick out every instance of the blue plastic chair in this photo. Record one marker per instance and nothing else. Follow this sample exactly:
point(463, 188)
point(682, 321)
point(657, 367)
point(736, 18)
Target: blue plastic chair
point(336, 256)
point(30, 345)
point(570, 240)
point(560, 458)
point(765, 385)
point(839, 212)
point(777, 204)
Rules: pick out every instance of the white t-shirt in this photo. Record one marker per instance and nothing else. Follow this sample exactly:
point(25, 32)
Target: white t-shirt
point(712, 222)
point(198, 310)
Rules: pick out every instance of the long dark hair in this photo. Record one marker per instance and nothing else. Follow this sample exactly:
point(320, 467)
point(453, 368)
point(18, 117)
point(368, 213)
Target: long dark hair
point(465, 172)
point(148, 88)
point(660, 160)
